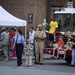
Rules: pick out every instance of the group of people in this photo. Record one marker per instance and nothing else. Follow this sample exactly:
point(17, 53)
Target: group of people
point(61, 45)
point(8, 41)
point(57, 42)
point(37, 40)
point(34, 45)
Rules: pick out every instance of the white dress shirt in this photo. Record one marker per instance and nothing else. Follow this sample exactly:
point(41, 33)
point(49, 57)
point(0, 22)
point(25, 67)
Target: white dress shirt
point(31, 36)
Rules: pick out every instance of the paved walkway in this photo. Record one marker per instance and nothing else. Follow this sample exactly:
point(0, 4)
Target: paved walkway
point(28, 71)
point(46, 56)
point(50, 67)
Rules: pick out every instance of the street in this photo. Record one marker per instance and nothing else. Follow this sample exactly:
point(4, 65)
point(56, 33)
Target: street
point(50, 67)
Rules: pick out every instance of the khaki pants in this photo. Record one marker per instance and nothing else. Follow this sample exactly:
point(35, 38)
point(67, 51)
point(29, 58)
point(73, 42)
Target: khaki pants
point(39, 46)
point(28, 60)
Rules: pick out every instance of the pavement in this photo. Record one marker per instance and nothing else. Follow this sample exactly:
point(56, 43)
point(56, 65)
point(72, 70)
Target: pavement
point(28, 71)
point(50, 67)
point(46, 57)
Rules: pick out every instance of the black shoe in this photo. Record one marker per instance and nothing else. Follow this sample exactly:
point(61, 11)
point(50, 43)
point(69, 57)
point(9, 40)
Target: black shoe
point(21, 63)
point(36, 63)
point(18, 64)
point(41, 63)
point(72, 65)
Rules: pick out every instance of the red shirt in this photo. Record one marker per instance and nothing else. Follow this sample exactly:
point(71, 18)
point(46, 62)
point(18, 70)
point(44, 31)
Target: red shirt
point(12, 34)
point(60, 43)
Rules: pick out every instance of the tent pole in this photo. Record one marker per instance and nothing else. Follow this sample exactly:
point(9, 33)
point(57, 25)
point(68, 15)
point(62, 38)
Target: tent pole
point(25, 32)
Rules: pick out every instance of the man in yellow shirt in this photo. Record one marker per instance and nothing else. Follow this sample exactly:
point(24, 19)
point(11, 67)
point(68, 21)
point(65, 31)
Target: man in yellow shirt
point(53, 26)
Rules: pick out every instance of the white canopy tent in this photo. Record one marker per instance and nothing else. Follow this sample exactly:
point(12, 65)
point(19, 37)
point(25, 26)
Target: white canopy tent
point(8, 20)
point(66, 11)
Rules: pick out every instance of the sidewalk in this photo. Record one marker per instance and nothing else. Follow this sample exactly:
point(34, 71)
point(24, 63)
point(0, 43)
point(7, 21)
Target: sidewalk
point(46, 57)
point(28, 71)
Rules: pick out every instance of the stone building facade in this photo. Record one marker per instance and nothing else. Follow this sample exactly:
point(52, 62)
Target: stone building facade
point(23, 8)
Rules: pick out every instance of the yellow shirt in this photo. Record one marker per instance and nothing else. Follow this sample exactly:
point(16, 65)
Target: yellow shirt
point(53, 25)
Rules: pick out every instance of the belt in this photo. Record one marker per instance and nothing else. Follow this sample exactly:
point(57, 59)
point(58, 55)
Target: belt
point(18, 43)
point(39, 40)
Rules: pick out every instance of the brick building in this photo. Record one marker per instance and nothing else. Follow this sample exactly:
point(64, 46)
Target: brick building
point(34, 11)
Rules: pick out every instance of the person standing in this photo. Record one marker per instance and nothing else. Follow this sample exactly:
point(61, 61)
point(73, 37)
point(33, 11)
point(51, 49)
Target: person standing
point(4, 42)
point(28, 53)
point(19, 43)
point(44, 24)
point(39, 37)
point(31, 38)
point(53, 26)
point(12, 34)
point(73, 52)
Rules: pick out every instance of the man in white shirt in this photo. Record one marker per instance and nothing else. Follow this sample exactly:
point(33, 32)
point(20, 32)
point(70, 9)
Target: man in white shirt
point(31, 38)
point(44, 24)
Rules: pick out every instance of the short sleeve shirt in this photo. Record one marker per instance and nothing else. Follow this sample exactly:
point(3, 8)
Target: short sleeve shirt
point(40, 34)
point(60, 43)
point(53, 26)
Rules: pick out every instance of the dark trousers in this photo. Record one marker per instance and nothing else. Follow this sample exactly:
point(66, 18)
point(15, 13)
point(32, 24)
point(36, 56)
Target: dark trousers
point(19, 50)
point(51, 37)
